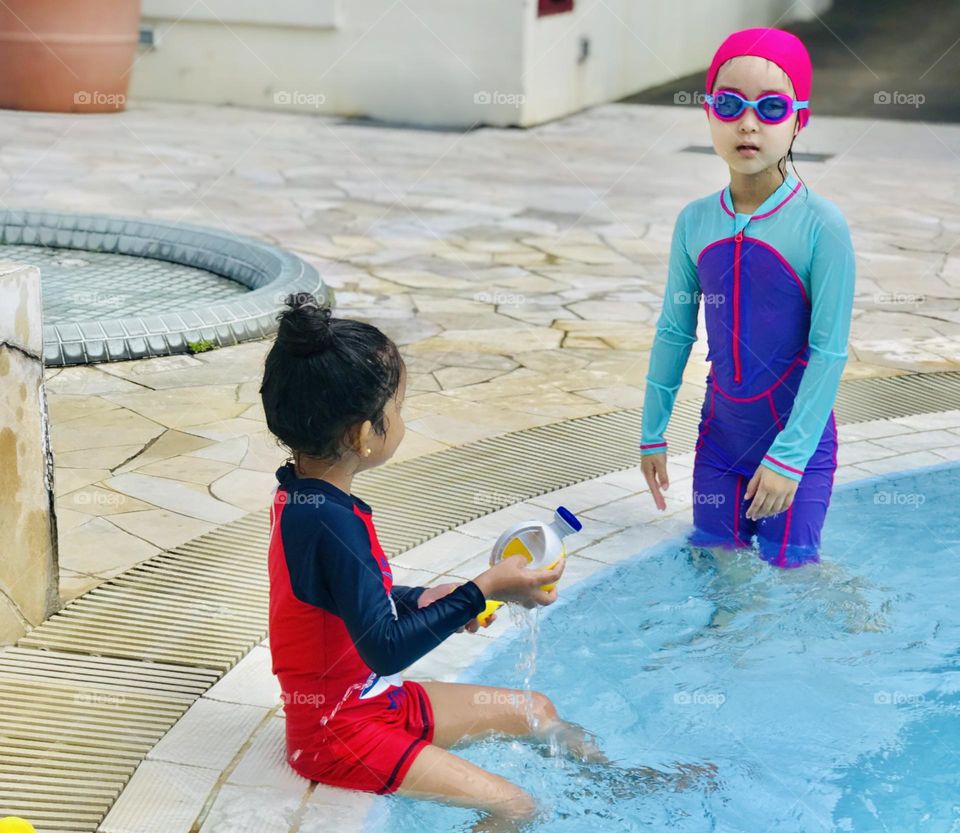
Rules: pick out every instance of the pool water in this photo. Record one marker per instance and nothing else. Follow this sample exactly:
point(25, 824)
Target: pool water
point(827, 697)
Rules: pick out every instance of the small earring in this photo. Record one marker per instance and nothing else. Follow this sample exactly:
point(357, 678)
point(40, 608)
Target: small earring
point(366, 452)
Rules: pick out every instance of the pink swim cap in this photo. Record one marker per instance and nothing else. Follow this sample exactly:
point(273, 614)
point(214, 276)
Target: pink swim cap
point(785, 50)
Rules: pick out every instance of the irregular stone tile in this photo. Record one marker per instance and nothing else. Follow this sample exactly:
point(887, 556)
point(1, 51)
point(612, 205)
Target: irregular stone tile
point(620, 335)
point(100, 548)
point(161, 527)
point(117, 427)
point(169, 444)
point(109, 457)
point(612, 310)
point(140, 370)
point(184, 407)
point(174, 496)
point(95, 500)
point(474, 421)
point(263, 453)
point(64, 407)
point(416, 444)
point(229, 451)
point(457, 377)
point(68, 519)
point(616, 396)
point(69, 480)
point(186, 468)
point(247, 490)
point(225, 429)
point(502, 341)
point(74, 584)
point(555, 403)
point(87, 380)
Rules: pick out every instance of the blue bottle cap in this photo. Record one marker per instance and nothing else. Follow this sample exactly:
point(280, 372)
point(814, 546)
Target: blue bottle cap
point(569, 518)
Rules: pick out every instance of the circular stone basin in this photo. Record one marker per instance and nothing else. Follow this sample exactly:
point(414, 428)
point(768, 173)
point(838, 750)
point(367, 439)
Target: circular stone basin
point(117, 288)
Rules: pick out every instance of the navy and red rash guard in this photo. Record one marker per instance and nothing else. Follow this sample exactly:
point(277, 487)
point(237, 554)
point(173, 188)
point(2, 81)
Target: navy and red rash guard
point(339, 629)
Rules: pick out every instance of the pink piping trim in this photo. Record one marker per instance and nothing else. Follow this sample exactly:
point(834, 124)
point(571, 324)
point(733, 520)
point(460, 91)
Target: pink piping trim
point(836, 446)
point(723, 202)
point(784, 263)
point(736, 513)
point(706, 422)
point(737, 254)
point(653, 445)
point(782, 465)
point(782, 557)
point(787, 199)
point(774, 386)
point(714, 243)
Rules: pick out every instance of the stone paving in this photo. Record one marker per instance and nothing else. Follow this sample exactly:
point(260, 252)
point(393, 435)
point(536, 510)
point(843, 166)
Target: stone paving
point(521, 271)
point(221, 769)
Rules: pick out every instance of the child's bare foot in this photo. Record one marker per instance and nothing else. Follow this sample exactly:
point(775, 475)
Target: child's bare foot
point(575, 742)
point(628, 782)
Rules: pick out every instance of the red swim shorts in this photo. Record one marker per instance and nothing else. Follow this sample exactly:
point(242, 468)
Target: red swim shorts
point(368, 745)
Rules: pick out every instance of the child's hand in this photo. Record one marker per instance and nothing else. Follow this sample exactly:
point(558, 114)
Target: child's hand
point(771, 493)
point(475, 624)
point(654, 468)
point(432, 594)
point(510, 580)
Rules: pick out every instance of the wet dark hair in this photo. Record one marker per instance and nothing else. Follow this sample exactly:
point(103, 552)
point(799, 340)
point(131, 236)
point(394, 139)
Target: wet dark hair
point(324, 375)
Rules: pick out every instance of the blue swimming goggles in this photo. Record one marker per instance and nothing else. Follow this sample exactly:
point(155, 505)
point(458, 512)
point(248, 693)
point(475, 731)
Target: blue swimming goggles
point(772, 108)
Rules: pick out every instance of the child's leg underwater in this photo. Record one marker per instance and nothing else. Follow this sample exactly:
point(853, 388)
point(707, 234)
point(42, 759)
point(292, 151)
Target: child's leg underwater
point(465, 712)
point(440, 775)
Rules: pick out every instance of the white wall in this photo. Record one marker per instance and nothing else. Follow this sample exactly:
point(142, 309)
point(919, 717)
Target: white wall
point(634, 44)
point(433, 62)
point(416, 61)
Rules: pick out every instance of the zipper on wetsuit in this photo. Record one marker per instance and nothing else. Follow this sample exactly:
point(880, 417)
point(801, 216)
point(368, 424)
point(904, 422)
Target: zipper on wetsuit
point(737, 243)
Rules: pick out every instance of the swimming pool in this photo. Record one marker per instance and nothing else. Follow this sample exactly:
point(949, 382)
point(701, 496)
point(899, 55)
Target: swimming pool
point(828, 697)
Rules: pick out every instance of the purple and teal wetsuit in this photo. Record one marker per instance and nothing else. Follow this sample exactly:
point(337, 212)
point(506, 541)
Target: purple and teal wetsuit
point(777, 287)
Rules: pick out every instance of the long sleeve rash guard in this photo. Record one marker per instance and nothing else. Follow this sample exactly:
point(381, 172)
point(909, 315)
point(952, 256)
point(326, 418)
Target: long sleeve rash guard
point(338, 625)
point(795, 235)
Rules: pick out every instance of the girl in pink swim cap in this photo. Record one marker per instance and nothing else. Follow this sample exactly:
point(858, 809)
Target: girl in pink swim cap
point(774, 264)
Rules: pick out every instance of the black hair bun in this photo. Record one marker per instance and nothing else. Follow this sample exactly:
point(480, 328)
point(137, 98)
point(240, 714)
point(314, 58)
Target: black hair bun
point(304, 326)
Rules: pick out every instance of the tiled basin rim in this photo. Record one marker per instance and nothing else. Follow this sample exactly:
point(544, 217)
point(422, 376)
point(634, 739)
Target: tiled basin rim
point(269, 273)
point(86, 695)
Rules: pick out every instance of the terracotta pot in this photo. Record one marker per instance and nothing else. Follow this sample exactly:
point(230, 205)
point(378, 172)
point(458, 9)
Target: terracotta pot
point(67, 55)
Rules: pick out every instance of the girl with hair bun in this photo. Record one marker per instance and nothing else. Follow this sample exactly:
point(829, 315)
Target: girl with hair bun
point(340, 629)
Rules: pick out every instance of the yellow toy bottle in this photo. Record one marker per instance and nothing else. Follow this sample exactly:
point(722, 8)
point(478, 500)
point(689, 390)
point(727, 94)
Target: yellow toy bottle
point(15, 824)
point(540, 543)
